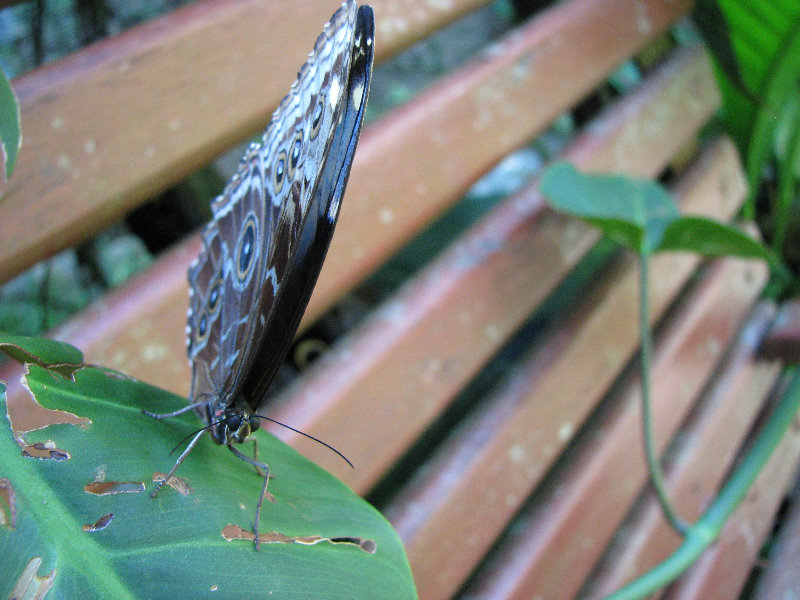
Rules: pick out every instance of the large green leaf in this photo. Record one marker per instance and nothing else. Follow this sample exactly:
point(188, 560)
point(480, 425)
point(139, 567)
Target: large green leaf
point(710, 238)
point(632, 212)
point(641, 215)
point(173, 546)
point(757, 69)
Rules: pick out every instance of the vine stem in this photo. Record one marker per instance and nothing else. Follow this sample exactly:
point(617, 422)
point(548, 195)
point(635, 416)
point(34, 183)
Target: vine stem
point(646, 355)
point(708, 528)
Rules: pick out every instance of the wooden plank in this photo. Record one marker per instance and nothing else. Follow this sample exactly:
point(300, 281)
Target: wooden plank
point(708, 445)
point(430, 151)
point(146, 339)
point(722, 571)
point(138, 338)
point(381, 386)
point(553, 543)
point(85, 176)
point(110, 126)
point(529, 255)
point(479, 480)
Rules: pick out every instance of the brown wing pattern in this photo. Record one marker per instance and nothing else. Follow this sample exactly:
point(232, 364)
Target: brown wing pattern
point(237, 280)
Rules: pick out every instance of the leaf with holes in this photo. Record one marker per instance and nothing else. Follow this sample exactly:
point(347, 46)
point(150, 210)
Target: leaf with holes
point(86, 516)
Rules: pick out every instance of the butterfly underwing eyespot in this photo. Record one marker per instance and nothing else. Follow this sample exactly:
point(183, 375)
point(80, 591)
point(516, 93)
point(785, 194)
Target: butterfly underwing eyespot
point(279, 172)
point(294, 153)
point(213, 297)
point(271, 229)
point(316, 118)
point(202, 327)
point(246, 249)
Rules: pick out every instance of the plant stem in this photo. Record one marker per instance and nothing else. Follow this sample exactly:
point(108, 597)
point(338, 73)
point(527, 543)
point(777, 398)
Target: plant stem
point(651, 452)
point(707, 529)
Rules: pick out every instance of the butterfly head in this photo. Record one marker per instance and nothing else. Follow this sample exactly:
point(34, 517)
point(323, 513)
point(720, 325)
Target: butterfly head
point(230, 424)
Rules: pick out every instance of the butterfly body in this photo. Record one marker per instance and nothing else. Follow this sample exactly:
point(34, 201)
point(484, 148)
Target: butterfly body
point(270, 231)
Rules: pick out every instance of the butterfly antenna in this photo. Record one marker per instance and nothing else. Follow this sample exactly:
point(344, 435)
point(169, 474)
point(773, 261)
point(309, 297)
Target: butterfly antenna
point(311, 437)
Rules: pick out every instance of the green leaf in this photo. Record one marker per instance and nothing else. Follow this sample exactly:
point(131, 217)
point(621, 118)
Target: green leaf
point(786, 133)
point(763, 40)
point(632, 212)
point(781, 79)
point(172, 546)
point(10, 127)
point(53, 355)
point(787, 152)
point(710, 238)
point(713, 26)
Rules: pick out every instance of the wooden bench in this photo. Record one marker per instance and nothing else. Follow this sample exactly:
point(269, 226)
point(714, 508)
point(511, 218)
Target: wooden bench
point(488, 404)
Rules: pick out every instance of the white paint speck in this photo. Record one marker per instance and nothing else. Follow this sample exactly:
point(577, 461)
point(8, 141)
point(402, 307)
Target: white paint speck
point(643, 23)
point(386, 216)
point(154, 352)
point(120, 357)
point(516, 453)
point(65, 163)
point(440, 5)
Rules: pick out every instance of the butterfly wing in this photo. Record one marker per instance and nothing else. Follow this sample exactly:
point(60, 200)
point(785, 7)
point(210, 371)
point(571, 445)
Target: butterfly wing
point(313, 227)
point(272, 225)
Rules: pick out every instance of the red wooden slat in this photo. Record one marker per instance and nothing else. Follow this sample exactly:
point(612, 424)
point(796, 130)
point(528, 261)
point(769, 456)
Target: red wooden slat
point(427, 144)
point(428, 153)
point(527, 260)
point(555, 541)
point(722, 571)
point(111, 125)
point(708, 445)
point(477, 482)
point(379, 388)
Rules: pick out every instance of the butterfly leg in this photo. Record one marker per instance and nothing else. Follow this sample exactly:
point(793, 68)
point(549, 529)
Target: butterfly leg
point(174, 413)
point(259, 472)
point(178, 462)
point(265, 468)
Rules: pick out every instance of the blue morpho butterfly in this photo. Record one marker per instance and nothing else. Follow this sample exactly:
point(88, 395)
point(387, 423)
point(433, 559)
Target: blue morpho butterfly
point(271, 228)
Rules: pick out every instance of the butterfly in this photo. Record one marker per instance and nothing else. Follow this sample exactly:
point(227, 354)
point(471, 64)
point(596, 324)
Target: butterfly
point(270, 231)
